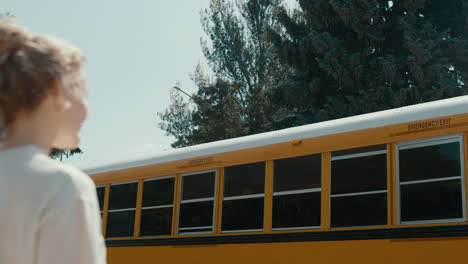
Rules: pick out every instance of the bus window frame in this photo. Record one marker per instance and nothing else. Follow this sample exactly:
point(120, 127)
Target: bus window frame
point(425, 143)
point(121, 210)
point(359, 155)
point(158, 206)
point(247, 196)
point(213, 198)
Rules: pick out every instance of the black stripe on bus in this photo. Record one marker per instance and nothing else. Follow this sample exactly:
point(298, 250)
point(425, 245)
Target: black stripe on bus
point(385, 233)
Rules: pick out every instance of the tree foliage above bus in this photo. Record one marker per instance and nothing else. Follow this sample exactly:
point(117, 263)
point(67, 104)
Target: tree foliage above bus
point(275, 67)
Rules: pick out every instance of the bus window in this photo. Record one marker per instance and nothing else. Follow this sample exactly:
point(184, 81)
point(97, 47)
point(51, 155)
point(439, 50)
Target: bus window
point(121, 213)
point(157, 207)
point(244, 188)
point(297, 192)
point(431, 180)
point(197, 203)
point(100, 191)
point(359, 187)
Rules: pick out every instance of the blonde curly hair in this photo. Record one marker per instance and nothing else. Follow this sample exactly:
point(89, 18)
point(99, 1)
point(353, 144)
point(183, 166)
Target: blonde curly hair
point(29, 66)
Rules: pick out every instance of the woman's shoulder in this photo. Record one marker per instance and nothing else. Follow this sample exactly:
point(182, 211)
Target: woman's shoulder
point(65, 176)
point(31, 164)
point(44, 184)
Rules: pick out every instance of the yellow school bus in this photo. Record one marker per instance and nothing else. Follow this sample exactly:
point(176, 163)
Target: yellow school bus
point(384, 187)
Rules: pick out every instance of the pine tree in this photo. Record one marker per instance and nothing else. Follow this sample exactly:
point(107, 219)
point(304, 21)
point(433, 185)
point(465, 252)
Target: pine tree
point(236, 100)
point(59, 154)
point(177, 120)
point(350, 57)
point(217, 112)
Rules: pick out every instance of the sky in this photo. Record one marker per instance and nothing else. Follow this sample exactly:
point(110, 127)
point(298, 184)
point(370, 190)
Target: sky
point(135, 51)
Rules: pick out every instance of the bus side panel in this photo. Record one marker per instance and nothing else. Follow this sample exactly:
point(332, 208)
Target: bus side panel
point(437, 250)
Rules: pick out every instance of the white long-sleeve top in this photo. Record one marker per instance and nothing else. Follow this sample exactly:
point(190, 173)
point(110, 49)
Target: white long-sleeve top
point(49, 212)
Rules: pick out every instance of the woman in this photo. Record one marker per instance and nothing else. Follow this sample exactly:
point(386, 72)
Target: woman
point(48, 211)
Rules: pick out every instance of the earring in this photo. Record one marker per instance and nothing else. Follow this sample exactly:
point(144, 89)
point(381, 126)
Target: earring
point(67, 105)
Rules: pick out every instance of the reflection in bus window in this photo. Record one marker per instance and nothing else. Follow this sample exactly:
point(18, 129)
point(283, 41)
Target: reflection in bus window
point(157, 207)
point(197, 203)
point(243, 201)
point(359, 187)
point(430, 180)
point(297, 192)
point(100, 191)
point(121, 213)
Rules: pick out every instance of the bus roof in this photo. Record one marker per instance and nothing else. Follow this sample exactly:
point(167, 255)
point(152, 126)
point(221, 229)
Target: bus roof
point(447, 107)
